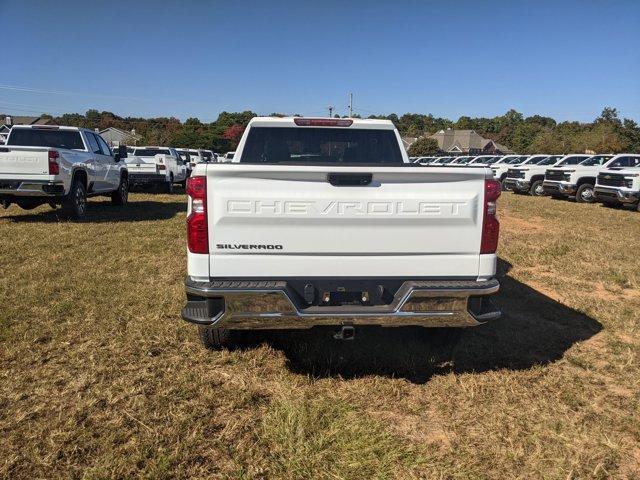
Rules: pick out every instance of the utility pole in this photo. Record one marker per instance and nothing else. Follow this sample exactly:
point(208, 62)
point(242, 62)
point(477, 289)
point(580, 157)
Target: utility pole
point(330, 111)
point(351, 105)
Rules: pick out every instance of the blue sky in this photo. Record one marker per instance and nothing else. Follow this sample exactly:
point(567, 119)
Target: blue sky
point(566, 59)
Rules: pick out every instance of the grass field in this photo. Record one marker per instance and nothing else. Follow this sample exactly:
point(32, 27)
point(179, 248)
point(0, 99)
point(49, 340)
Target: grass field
point(100, 378)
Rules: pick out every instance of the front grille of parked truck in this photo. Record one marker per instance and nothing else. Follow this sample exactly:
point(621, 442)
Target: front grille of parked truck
point(611, 180)
point(515, 173)
point(556, 175)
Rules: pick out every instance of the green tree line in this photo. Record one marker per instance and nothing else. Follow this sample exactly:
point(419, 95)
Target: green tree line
point(606, 134)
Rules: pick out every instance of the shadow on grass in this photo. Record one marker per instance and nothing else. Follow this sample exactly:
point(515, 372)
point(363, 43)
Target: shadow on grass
point(102, 211)
point(533, 330)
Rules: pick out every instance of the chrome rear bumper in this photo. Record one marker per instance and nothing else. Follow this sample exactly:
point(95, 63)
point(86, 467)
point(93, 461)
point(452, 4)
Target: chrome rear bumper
point(271, 305)
point(31, 188)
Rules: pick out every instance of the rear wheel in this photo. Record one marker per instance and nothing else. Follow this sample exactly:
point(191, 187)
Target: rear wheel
point(121, 195)
point(537, 190)
point(585, 193)
point(75, 204)
point(168, 186)
point(218, 338)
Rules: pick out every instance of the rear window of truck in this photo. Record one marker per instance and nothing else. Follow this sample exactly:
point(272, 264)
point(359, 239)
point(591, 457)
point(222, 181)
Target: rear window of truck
point(31, 137)
point(273, 145)
point(151, 152)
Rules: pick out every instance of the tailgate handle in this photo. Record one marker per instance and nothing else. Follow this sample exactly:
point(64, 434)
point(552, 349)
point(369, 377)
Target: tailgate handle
point(349, 179)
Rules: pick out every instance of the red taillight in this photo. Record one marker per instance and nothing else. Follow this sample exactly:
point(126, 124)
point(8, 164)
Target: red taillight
point(197, 228)
point(54, 166)
point(323, 122)
point(490, 224)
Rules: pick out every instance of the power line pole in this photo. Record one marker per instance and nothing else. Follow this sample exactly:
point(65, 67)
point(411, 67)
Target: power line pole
point(350, 105)
point(330, 111)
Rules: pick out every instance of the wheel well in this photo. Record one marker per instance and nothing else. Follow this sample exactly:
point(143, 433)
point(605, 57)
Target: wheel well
point(124, 174)
point(535, 178)
point(589, 180)
point(503, 176)
point(81, 175)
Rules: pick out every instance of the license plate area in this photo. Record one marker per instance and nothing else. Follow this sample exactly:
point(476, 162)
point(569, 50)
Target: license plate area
point(320, 292)
point(344, 297)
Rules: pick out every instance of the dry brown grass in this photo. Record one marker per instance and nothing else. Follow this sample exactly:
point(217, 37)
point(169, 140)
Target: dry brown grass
point(100, 378)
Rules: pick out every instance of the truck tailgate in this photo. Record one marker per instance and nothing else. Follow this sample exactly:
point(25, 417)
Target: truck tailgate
point(287, 221)
point(141, 165)
point(24, 160)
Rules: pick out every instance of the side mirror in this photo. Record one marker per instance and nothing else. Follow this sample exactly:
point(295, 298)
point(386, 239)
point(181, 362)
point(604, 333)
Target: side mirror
point(122, 151)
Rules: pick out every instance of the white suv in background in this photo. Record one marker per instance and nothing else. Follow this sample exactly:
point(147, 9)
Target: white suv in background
point(577, 181)
point(620, 184)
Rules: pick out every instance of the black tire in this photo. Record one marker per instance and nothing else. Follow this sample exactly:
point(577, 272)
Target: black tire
point(585, 194)
point(75, 203)
point(121, 195)
point(168, 186)
point(536, 189)
point(504, 187)
point(218, 338)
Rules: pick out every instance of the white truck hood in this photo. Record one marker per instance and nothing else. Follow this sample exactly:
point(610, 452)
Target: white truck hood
point(531, 170)
point(578, 168)
point(633, 172)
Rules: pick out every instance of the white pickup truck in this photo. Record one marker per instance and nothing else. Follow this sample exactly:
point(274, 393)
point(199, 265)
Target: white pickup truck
point(228, 157)
point(619, 183)
point(500, 167)
point(156, 166)
point(325, 222)
point(575, 181)
point(529, 177)
point(55, 165)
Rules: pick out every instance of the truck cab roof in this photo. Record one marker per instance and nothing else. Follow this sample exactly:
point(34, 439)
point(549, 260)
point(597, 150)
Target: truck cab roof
point(352, 123)
point(52, 127)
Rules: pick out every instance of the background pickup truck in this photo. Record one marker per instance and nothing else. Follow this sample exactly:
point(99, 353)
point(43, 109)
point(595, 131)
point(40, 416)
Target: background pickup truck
point(579, 180)
point(501, 167)
point(60, 166)
point(156, 166)
point(325, 222)
point(619, 183)
point(529, 177)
